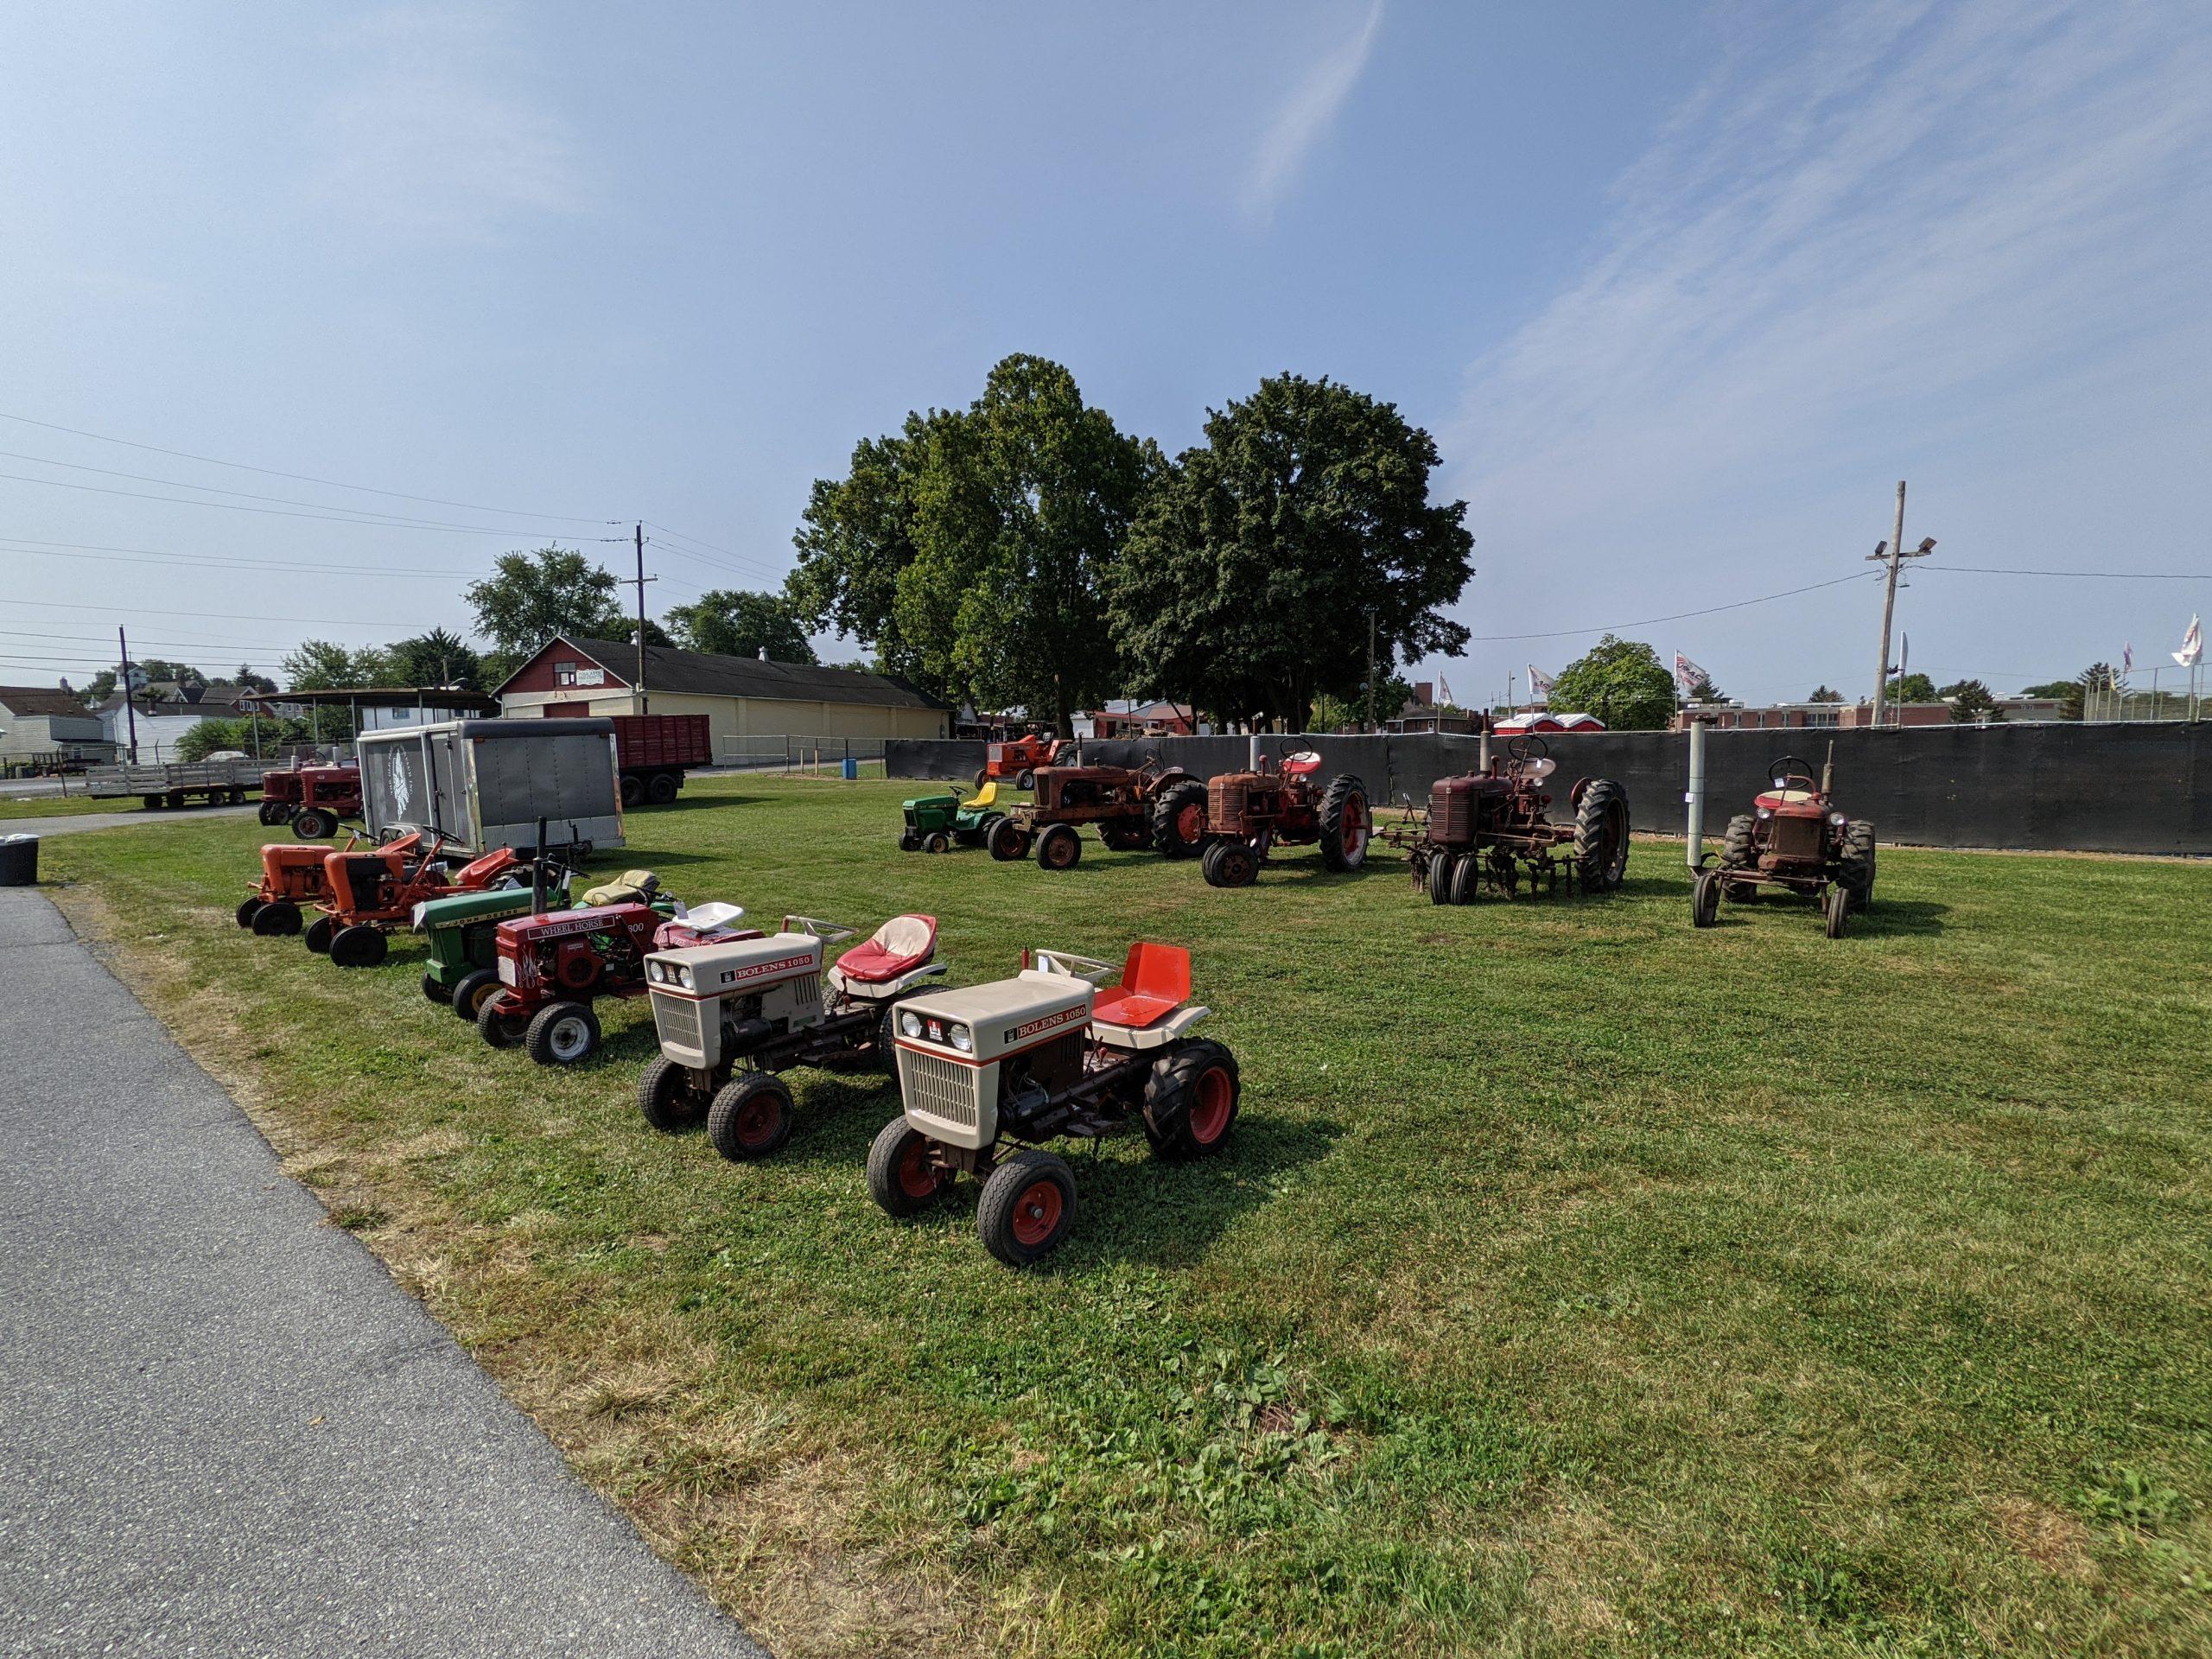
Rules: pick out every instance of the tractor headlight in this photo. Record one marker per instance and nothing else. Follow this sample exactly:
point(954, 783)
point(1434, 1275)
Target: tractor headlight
point(910, 1024)
point(657, 972)
point(1766, 811)
point(683, 973)
point(1836, 818)
point(962, 1038)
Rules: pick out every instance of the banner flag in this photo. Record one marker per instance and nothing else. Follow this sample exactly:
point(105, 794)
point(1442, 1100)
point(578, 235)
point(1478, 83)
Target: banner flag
point(1539, 683)
point(2192, 645)
point(1687, 673)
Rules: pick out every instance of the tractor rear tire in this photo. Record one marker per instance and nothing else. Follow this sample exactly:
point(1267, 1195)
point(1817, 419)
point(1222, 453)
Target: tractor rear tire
point(563, 1033)
point(1856, 870)
point(1178, 820)
point(751, 1116)
point(247, 910)
point(435, 989)
point(901, 1177)
point(1601, 836)
point(472, 991)
point(1230, 864)
point(1190, 1100)
point(1705, 898)
point(1007, 841)
point(937, 842)
point(661, 789)
point(1466, 880)
point(664, 1097)
point(1059, 847)
point(982, 777)
point(313, 823)
point(1837, 908)
point(1440, 878)
point(632, 790)
point(359, 946)
point(1027, 1205)
point(1347, 824)
point(1736, 852)
point(498, 1028)
point(319, 934)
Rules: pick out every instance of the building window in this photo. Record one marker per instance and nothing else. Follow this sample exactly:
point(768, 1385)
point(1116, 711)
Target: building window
point(564, 673)
point(1824, 717)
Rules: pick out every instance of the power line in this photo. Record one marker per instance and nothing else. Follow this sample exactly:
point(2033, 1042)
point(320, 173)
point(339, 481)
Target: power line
point(356, 622)
point(2101, 576)
point(301, 478)
point(700, 541)
point(217, 561)
point(1648, 622)
point(284, 512)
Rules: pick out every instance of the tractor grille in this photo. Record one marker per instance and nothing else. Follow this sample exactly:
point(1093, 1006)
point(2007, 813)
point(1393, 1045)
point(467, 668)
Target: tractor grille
point(677, 1020)
point(1797, 838)
point(1451, 814)
point(938, 1089)
point(1226, 799)
point(806, 991)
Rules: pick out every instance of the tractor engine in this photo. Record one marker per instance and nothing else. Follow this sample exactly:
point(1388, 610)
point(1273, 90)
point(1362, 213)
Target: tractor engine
point(1462, 810)
point(969, 1058)
point(712, 1002)
point(1235, 799)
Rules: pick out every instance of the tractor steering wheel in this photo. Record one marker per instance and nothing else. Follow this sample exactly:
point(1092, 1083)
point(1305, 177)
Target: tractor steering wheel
point(1526, 747)
point(1783, 768)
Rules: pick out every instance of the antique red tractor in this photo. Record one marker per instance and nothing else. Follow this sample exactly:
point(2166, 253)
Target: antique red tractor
point(1249, 814)
point(1119, 802)
point(1492, 830)
point(292, 880)
point(733, 1012)
point(1016, 760)
point(373, 892)
point(1795, 836)
point(312, 799)
point(988, 1072)
point(555, 965)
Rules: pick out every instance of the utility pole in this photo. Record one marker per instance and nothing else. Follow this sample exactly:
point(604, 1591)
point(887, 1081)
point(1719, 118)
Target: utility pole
point(129, 709)
point(1371, 725)
point(1892, 553)
point(644, 704)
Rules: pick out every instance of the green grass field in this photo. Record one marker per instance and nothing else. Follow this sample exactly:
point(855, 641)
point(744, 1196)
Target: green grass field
point(60, 806)
point(1575, 1283)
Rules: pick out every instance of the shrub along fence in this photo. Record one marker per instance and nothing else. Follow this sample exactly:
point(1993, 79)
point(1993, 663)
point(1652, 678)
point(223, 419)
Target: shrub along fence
point(2135, 788)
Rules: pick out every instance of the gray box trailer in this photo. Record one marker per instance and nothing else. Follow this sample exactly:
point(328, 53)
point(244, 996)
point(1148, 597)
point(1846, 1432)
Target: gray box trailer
point(487, 783)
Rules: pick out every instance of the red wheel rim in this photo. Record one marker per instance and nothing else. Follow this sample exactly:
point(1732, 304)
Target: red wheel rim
point(1037, 1213)
point(1210, 1111)
point(917, 1177)
point(1059, 852)
point(1355, 828)
point(757, 1122)
point(1191, 823)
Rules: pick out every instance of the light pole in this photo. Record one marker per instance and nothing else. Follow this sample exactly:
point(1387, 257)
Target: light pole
point(1892, 554)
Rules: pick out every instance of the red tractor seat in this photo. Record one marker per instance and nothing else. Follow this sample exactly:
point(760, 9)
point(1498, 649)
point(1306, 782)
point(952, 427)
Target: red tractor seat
point(900, 946)
point(480, 872)
point(1303, 764)
point(1774, 799)
point(1155, 979)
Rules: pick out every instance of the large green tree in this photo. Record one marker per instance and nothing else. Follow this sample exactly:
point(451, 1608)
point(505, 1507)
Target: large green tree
point(324, 665)
point(1264, 556)
point(730, 622)
point(435, 659)
point(856, 539)
point(1622, 682)
point(1971, 701)
point(529, 597)
point(1911, 688)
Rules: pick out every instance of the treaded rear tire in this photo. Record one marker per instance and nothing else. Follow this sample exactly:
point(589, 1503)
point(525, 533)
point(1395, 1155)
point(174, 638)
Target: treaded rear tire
point(1172, 1093)
point(1855, 869)
point(1008, 1231)
point(1601, 829)
point(1346, 812)
point(1168, 815)
point(1736, 842)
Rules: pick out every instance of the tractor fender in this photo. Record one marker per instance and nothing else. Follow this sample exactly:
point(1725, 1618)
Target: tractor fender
point(1574, 795)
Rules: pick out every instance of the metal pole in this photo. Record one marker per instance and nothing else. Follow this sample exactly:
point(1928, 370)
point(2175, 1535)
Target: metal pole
point(1888, 607)
point(645, 704)
point(130, 709)
point(1694, 796)
point(1371, 669)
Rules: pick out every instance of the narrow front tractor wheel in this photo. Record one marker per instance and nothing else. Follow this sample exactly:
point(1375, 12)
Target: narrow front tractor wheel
point(359, 946)
point(902, 1177)
point(665, 1098)
point(1007, 841)
point(1856, 868)
point(277, 919)
point(497, 1025)
point(313, 823)
point(319, 934)
point(270, 812)
point(472, 991)
point(1025, 779)
point(1230, 864)
point(247, 910)
point(1026, 1207)
point(1347, 824)
point(937, 842)
point(1059, 847)
point(1601, 836)
point(1440, 878)
point(1838, 905)
point(1178, 820)
point(562, 1033)
point(1705, 898)
point(1190, 1100)
point(1466, 880)
point(435, 989)
point(751, 1117)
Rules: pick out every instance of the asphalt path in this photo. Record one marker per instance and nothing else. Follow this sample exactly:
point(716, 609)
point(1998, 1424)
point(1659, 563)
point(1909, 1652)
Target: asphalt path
point(76, 823)
point(224, 1430)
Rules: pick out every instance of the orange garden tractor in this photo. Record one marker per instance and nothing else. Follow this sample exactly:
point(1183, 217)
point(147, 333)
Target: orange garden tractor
point(1119, 802)
point(373, 891)
point(987, 1073)
point(1249, 814)
point(292, 880)
point(1492, 830)
point(1016, 761)
point(1795, 837)
point(733, 1014)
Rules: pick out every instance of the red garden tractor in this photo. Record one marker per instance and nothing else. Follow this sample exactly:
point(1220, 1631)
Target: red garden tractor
point(1795, 836)
point(1492, 829)
point(1017, 760)
point(292, 880)
point(1249, 814)
point(1121, 802)
point(987, 1073)
point(733, 1012)
point(373, 892)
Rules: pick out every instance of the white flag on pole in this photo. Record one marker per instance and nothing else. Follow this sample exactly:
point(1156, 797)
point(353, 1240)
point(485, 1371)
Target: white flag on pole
point(2127, 658)
point(1688, 674)
point(1443, 691)
point(1539, 683)
point(2192, 645)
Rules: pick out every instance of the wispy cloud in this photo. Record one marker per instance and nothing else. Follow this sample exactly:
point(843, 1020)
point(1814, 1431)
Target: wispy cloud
point(433, 135)
point(1306, 115)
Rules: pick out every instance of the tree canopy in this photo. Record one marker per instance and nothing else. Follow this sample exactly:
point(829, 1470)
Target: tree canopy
point(1912, 688)
point(1825, 693)
point(730, 622)
point(434, 658)
point(1622, 682)
point(1705, 691)
point(324, 665)
point(529, 597)
point(1971, 701)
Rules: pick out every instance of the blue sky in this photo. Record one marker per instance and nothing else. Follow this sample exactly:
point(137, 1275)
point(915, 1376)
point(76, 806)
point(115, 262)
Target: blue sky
point(1682, 292)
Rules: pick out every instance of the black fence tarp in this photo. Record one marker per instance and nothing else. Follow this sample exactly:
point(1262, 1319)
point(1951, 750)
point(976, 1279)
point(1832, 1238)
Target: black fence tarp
point(2133, 788)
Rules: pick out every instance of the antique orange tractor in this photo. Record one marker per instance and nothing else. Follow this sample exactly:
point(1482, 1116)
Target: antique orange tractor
point(373, 892)
point(1795, 836)
point(1249, 814)
point(1119, 802)
point(1016, 760)
point(312, 799)
point(1492, 830)
point(292, 880)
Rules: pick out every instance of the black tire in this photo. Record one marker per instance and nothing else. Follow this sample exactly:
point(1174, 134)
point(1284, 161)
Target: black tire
point(1027, 1205)
point(1007, 841)
point(1440, 878)
point(359, 946)
point(900, 1178)
point(1855, 870)
point(1178, 820)
point(435, 989)
point(272, 812)
point(885, 1049)
point(320, 933)
point(499, 1028)
point(1838, 908)
point(751, 1116)
point(313, 823)
point(1601, 836)
point(665, 1098)
point(1059, 847)
point(1705, 898)
point(1466, 880)
point(280, 920)
point(909, 842)
point(562, 1033)
point(1230, 864)
point(1736, 852)
point(1190, 1098)
point(1025, 779)
point(660, 789)
point(1347, 823)
point(633, 789)
point(937, 842)
point(247, 910)
point(982, 777)
point(470, 991)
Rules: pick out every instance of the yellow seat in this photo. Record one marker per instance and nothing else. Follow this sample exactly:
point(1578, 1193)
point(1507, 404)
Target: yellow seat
point(986, 796)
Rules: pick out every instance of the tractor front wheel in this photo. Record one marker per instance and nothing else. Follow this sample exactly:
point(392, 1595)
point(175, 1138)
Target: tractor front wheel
point(1190, 1100)
point(1027, 1208)
point(1466, 880)
point(1347, 824)
point(1705, 898)
point(665, 1098)
point(277, 919)
point(937, 842)
point(1601, 836)
point(247, 910)
point(1059, 847)
point(472, 991)
point(562, 1033)
point(313, 823)
point(751, 1116)
point(1178, 820)
point(1025, 779)
point(498, 1027)
point(902, 1177)
point(1838, 905)
point(320, 933)
point(272, 812)
point(435, 989)
point(359, 946)
point(1007, 841)
point(909, 842)
point(1230, 864)
point(1440, 878)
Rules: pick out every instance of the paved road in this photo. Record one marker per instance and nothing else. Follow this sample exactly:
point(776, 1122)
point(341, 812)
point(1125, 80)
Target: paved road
point(225, 1430)
point(71, 824)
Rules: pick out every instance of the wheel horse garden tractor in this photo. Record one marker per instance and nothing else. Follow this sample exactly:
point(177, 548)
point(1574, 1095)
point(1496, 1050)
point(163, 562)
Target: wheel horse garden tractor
point(1121, 801)
point(987, 1072)
point(936, 824)
point(461, 934)
point(375, 890)
point(1796, 837)
point(1492, 829)
point(1249, 814)
point(732, 1015)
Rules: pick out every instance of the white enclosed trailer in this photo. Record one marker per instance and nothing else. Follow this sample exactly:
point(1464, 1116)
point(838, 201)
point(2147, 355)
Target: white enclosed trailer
point(487, 782)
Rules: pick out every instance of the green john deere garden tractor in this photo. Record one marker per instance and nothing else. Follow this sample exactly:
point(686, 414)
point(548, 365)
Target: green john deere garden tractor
point(936, 823)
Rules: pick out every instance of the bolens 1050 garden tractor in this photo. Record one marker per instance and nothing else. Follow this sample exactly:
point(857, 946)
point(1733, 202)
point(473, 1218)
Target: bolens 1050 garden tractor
point(1018, 759)
point(936, 824)
point(375, 890)
point(293, 881)
point(1796, 837)
point(987, 1072)
point(1492, 830)
point(1249, 814)
point(732, 1015)
point(1119, 801)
